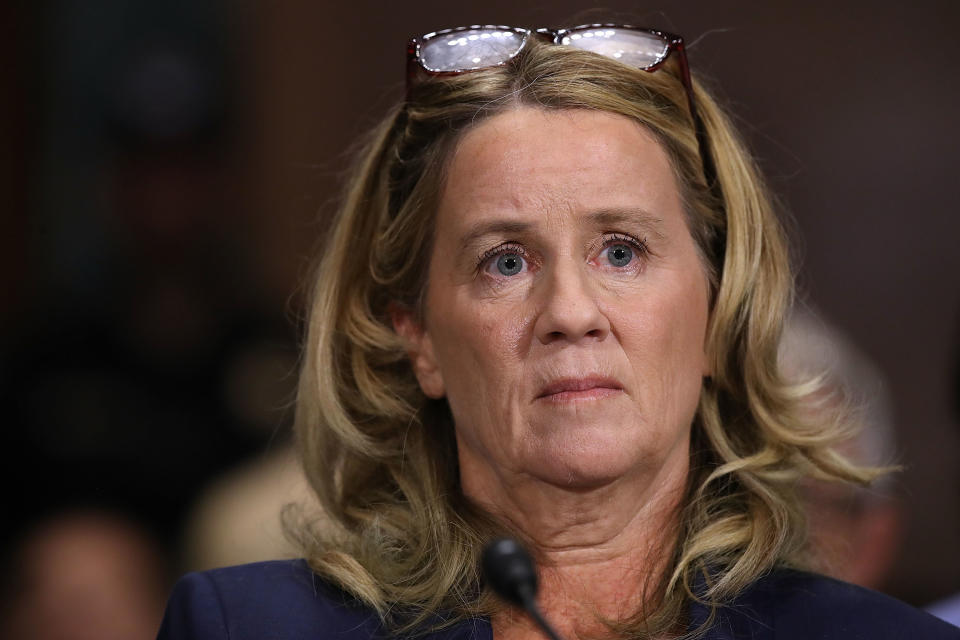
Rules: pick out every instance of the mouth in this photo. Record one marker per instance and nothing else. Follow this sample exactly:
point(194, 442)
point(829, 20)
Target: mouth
point(576, 389)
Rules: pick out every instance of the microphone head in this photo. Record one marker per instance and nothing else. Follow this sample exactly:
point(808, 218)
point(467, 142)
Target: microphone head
point(508, 570)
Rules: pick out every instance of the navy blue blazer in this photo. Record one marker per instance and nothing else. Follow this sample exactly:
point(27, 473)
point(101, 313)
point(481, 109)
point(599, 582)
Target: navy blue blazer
point(284, 600)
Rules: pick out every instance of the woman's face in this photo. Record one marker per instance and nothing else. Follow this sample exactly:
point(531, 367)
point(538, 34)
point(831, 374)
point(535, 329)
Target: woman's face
point(567, 306)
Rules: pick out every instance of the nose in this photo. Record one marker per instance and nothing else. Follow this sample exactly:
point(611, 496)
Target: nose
point(569, 311)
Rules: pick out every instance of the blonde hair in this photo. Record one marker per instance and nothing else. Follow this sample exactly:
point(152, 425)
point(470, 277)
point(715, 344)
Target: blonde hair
point(397, 532)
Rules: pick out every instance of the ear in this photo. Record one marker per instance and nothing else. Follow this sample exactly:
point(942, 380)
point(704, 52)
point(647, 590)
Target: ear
point(419, 346)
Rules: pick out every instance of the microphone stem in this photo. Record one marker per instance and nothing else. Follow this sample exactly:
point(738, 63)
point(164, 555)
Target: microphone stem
point(530, 604)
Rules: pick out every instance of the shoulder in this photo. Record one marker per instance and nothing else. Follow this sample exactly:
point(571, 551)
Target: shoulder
point(794, 604)
point(947, 609)
point(280, 599)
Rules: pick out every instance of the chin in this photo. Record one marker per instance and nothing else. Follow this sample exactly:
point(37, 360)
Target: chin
point(590, 460)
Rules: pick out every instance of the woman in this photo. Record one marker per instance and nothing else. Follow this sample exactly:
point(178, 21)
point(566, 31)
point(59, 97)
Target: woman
point(550, 308)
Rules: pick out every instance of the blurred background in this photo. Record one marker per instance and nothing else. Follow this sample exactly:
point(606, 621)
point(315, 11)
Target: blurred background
point(168, 168)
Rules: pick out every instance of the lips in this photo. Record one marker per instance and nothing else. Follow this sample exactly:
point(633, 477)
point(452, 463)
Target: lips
point(589, 387)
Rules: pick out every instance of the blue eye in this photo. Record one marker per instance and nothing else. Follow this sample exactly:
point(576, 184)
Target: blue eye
point(619, 255)
point(509, 264)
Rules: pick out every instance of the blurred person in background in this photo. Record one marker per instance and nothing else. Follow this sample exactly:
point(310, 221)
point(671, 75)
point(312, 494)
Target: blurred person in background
point(855, 531)
point(949, 608)
point(84, 575)
point(237, 517)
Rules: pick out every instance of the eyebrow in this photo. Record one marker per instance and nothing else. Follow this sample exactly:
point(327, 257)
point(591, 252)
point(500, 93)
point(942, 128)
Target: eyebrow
point(629, 216)
point(493, 227)
point(607, 217)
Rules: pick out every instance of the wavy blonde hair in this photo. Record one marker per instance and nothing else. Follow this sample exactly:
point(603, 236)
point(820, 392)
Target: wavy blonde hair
point(396, 531)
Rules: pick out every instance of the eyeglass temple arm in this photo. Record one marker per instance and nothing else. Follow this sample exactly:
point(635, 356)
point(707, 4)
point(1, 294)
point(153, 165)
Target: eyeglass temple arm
point(412, 64)
point(706, 158)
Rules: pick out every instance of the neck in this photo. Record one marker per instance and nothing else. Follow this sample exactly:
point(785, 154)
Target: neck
point(602, 551)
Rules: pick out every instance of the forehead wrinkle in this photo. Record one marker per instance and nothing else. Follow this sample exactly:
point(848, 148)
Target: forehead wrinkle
point(507, 212)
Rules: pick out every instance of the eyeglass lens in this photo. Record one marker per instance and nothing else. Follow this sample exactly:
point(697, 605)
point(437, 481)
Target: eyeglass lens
point(635, 48)
point(470, 49)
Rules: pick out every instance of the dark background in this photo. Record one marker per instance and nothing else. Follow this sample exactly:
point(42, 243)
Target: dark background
point(167, 168)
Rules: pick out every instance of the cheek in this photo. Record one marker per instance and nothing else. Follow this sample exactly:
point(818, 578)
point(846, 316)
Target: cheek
point(481, 347)
point(476, 350)
point(477, 335)
point(663, 337)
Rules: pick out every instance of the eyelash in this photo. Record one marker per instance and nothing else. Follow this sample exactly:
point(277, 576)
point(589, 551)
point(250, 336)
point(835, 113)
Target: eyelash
point(641, 247)
point(507, 247)
point(619, 238)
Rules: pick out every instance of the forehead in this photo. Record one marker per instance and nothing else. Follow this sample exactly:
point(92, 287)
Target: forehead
point(535, 160)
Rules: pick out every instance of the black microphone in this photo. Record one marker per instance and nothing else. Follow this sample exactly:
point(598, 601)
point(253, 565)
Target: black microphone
point(509, 571)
